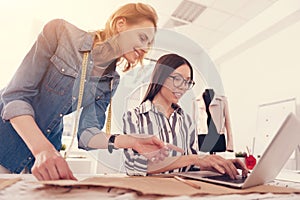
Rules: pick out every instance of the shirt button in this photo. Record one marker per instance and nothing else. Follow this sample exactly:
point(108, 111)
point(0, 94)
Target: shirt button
point(61, 115)
point(48, 130)
point(62, 69)
point(91, 62)
point(98, 97)
point(29, 158)
point(73, 98)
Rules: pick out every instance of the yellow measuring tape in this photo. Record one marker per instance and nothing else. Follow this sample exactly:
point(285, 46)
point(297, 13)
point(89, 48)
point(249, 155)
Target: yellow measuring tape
point(80, 96)
point(108, 122)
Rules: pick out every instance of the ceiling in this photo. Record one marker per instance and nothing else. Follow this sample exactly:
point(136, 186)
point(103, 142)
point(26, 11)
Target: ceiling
point(218, 19)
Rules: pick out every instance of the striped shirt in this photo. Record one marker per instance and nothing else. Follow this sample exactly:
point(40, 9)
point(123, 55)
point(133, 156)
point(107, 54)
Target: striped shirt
point(177, 130)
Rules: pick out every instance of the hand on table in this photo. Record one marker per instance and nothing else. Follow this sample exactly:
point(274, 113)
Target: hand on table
point(50, 165)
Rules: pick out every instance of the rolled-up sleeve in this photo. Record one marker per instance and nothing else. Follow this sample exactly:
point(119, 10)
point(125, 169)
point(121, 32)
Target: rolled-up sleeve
point(17, 108)
point(18, 95)
point(135, 164)
point(91, 122)
point(86, 136)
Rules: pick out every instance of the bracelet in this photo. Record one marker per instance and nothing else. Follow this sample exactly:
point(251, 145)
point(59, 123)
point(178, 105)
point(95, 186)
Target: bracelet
point(111, 143)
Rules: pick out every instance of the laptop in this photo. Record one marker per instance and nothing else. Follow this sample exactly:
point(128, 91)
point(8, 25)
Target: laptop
point(270, 164)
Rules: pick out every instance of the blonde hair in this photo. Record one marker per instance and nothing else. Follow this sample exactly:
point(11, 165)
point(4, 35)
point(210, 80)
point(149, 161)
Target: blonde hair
point(133, 13)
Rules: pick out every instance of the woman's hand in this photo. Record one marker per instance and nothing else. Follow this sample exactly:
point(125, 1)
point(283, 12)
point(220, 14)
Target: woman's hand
point(50, 165)
point(222, 165)
point(149, 146)
point(154, 149)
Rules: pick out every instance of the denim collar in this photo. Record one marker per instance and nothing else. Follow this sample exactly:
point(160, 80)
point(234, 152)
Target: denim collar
point(87, 42)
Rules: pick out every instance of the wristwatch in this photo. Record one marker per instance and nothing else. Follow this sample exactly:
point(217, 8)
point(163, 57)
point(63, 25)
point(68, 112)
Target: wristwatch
point(111, 143)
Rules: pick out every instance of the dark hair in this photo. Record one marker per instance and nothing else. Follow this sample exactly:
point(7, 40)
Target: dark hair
point(165, 65)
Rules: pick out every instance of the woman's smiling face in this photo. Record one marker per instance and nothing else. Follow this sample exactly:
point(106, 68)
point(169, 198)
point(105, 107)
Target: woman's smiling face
point(171, 91)
point(134, 40)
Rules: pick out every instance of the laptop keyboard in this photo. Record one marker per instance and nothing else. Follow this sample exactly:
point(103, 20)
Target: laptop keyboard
point(227, 178)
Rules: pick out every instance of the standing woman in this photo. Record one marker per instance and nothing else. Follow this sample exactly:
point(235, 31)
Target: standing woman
point(46, 87)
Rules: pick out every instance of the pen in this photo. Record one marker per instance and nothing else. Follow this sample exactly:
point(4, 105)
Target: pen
point(187, 182)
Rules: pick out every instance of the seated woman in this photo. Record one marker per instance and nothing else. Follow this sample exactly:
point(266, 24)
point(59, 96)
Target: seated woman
point(160, 115)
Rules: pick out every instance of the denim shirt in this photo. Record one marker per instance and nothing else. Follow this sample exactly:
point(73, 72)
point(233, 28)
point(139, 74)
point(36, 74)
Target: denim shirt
point(46, 86)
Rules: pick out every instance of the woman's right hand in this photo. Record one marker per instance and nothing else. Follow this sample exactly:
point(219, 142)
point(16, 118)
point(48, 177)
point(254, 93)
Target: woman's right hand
point(50, 165)
point(221, 165)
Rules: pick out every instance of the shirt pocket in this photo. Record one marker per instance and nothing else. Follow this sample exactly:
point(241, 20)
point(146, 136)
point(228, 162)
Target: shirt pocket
point(60, 77)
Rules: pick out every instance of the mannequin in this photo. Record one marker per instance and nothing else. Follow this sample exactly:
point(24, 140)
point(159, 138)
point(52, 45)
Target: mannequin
point(214, 123)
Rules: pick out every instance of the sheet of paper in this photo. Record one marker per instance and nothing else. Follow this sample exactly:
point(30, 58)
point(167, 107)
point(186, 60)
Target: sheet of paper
point(5, 182)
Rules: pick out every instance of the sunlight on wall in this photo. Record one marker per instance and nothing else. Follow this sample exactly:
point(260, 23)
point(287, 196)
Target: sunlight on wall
point(21, 22)
point(265, 73)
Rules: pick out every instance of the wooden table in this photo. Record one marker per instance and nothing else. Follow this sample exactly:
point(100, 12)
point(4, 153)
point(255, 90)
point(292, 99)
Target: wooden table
point(29, 188)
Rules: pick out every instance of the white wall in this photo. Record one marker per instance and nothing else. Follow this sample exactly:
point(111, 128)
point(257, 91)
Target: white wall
point(266, 72)
point(22, 21)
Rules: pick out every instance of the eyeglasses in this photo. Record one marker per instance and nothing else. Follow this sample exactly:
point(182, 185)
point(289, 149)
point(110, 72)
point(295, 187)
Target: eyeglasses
point(180, 82)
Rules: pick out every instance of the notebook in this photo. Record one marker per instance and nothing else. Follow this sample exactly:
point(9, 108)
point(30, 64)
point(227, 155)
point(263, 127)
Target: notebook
point(270, 164)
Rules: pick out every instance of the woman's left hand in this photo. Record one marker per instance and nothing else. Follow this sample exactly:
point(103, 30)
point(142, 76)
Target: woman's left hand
point(154, 149)
point(149, 146)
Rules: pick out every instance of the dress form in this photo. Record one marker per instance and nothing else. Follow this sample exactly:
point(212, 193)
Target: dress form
point(212, 141)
